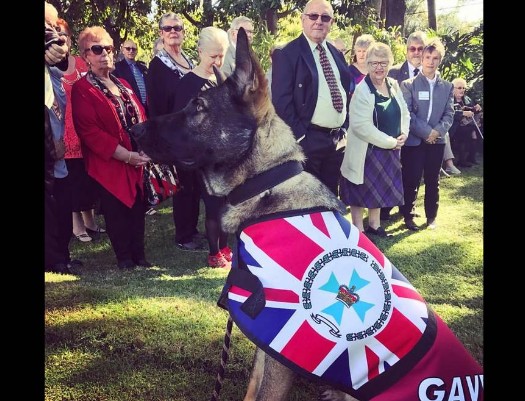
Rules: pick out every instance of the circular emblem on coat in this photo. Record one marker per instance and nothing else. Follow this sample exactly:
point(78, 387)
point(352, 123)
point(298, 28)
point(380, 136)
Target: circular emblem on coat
point(347, 294)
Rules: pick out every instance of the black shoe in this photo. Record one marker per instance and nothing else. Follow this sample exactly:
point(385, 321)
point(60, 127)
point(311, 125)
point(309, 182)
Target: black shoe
point(198, 237)
point(125, 264)
point(409, 223)
point(60, 268)
point(190, 246)
point(95, 234)
point(431, 224)
point(75, 263)
point(379, 231)
point(142, 263)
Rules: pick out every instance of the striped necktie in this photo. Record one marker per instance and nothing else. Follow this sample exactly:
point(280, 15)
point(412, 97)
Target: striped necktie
point(139, 79)
point(337, 99)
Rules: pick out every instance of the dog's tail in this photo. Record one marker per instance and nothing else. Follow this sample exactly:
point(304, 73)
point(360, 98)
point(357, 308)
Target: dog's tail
point(224, 359)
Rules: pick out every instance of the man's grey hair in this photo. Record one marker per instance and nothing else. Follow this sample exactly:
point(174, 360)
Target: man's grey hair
point(237, 21)
point(417, 36)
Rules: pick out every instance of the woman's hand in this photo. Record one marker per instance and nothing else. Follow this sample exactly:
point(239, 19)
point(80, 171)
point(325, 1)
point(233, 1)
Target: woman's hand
point(401, 139)
point(138, 159)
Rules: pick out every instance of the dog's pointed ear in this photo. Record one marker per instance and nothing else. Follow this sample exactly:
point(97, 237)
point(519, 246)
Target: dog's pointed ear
point(247, 67)
point(221, 76)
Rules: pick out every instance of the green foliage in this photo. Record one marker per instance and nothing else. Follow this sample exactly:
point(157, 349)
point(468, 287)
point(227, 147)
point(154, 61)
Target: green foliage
point(464, 58)
point(138, 19)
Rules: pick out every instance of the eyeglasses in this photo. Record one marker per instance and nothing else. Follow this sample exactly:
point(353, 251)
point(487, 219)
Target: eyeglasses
point(375, 64)
point(168, 28)
point(130, 49)
point(97, 49)
point(414, 49)
point(459, 87)
point(314, 17)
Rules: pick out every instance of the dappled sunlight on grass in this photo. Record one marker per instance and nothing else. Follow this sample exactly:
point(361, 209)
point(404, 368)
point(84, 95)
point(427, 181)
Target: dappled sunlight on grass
point(59, 278)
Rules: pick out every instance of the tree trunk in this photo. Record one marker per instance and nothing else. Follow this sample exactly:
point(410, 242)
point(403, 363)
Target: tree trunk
point(432, 20)
point(395, 13)
point(377, 6)
point(271, 20)
point(382, 13)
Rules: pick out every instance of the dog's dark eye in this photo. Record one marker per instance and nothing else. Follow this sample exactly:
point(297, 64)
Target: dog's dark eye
point(200, 104)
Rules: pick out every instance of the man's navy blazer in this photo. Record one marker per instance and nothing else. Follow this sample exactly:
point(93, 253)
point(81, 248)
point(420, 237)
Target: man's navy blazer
point(295, 83)
point(399, 72)
point(123, 70)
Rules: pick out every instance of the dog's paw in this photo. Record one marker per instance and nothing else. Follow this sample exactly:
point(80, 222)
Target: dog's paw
point(329, 394)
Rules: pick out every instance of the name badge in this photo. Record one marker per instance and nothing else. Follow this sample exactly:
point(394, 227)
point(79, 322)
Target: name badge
point(423, 95)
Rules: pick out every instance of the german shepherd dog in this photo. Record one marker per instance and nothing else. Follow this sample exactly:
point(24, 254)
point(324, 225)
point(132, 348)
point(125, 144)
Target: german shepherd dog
point(233, 136)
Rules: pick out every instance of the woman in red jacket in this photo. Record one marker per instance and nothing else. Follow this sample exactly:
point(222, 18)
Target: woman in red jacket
point(104, 109)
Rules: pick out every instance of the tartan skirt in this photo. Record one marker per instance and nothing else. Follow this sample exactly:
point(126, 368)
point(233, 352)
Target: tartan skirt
point(382, 185)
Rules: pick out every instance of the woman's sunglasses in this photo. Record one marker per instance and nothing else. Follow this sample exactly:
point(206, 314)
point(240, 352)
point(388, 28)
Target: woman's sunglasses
point(168, 28)
point(97, 49)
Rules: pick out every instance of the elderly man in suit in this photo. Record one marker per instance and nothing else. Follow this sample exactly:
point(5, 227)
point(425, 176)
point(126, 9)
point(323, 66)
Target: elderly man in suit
point(309, 77)
point(228, 64)
point(408, 69)
point(132, 70)
point(430, 101)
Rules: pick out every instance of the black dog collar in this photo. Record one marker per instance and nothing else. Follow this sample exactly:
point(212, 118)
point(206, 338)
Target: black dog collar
point(264, 181)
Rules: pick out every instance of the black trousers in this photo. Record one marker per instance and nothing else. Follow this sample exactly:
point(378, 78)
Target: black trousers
point(186, 203)
point(125, 226)
point(463, 145)
point(421, 161)
point(322, 158)
point(58, 222)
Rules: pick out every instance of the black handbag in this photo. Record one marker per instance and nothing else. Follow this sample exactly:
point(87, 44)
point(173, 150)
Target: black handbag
point(160, 183)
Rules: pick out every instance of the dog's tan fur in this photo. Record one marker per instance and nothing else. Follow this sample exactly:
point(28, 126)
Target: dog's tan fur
point(273, 144)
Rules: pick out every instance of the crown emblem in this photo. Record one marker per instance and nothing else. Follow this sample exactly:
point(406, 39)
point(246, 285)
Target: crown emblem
point(346, 295)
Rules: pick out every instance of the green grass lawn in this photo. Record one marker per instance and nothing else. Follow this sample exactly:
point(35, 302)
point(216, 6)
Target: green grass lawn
point(155, 334)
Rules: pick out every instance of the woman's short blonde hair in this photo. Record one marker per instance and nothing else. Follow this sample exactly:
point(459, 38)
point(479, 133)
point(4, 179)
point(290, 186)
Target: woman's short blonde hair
point(381, 50)
point(92, 34)
point(212, 35)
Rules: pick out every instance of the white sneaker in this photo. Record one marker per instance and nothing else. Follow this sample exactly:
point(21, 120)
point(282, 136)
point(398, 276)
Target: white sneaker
point(453, 170)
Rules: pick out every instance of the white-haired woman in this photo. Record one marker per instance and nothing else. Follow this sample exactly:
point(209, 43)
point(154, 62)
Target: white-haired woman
point(212, 46)
point(463, 133)
point(358, 69)
point(379, 124)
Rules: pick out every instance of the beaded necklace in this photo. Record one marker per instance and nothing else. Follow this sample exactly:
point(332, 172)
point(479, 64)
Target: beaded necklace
point(179, 64)
point(127, 112)
point(71, 82)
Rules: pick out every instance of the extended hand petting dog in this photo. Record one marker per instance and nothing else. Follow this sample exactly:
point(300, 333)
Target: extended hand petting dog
point(311, 291)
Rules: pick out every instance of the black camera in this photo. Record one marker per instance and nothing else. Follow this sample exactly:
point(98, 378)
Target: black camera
point(52, 36)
